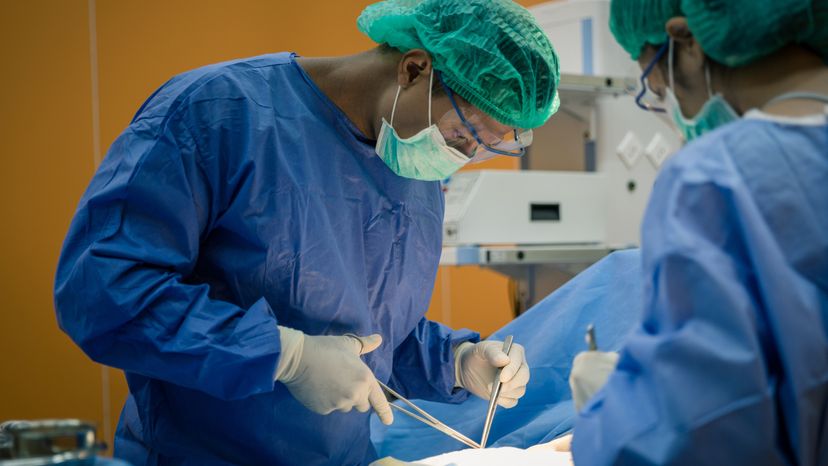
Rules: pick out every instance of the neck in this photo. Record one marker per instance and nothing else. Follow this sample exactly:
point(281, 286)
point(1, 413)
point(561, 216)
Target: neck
point(357, 84)
point(791, 69)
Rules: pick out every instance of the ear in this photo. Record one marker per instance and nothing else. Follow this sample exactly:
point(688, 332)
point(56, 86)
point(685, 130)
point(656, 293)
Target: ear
point(414, 66)
point(685, 42)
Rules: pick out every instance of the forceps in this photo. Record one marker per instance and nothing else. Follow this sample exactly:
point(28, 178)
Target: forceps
point(427, 419)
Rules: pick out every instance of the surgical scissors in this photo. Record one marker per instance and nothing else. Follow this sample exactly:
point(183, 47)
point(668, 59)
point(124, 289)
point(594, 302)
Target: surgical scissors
point(427, 419)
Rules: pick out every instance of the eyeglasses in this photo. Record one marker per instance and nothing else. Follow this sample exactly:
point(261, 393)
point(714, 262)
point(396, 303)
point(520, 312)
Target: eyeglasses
point(644, 99)
point(512, 144)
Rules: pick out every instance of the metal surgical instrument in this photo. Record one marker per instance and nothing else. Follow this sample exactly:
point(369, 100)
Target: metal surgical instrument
point(427, 419)
point(590, 338)
point(507, 346)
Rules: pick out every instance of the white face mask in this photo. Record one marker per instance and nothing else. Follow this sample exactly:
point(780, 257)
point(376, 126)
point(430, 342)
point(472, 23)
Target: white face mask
point(424, 156)
point(714, 113)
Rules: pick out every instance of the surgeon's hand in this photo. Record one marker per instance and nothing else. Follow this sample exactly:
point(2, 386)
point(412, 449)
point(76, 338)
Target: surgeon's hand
point(590, 371)
point(325, 373)
point(477, 363)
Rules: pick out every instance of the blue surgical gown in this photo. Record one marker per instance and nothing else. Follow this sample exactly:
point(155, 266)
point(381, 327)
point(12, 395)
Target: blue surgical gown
point(240, 197)
point(730, 363)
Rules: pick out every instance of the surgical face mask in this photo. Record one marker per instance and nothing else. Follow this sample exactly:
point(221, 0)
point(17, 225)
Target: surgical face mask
point(716, 112)
point(424, 156)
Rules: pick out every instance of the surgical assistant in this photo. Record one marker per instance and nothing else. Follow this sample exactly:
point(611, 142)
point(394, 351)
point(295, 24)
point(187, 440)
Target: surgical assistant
point(730, 363)
point(255, 260)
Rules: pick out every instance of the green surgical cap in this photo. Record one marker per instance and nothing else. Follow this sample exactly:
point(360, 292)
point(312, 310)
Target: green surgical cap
point(732, 32)
point(490, 52)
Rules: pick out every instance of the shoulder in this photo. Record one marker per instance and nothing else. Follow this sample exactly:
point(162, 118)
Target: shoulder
point(701, 188)
point(715, 158)
point(738, 143)
point(246, 81)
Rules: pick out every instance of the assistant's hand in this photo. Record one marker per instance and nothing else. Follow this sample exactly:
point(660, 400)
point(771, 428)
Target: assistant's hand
point(325, 373)
point(476, 365)
point(590, 371)
point(560, 444)
point(556, 447)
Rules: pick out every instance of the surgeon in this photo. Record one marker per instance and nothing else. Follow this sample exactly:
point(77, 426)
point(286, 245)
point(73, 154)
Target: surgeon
point(730, 363)
point(259, 246)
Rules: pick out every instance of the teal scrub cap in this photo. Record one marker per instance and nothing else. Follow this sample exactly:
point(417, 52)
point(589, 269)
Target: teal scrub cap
point(732, 32)
point(490, 52)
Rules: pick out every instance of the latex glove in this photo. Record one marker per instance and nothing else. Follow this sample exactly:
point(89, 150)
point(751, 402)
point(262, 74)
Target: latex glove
point(475, 365)
point(590, 371)
point(560, 444)
point(325, 373)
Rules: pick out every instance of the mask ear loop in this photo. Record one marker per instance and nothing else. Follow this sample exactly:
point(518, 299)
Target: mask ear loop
point(397, 97)
point(394, 108)
point(670, 55)
point(430, 87)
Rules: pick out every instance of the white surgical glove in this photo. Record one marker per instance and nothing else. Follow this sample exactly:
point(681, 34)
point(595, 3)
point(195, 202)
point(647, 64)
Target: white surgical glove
point(590, 371)
point(325, 373)
point(475, 365)
point(560, 444)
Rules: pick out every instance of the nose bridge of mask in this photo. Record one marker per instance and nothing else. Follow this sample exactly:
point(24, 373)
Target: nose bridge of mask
point(454, 154)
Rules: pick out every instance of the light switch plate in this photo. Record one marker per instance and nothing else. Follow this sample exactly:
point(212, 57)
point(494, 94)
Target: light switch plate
point(629, 150)
point(658, 150)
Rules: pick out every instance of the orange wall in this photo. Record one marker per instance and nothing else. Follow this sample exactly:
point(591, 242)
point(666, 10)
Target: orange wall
point(46, 147)
point(48, 150)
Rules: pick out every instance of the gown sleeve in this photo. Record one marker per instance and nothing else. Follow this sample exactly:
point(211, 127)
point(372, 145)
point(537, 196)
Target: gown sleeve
point(121, 290)
point(424, 363)
point(698, 370)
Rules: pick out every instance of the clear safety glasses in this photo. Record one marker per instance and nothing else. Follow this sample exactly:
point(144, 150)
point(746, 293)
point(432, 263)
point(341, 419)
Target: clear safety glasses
point(646, 98)
point(483, 143)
